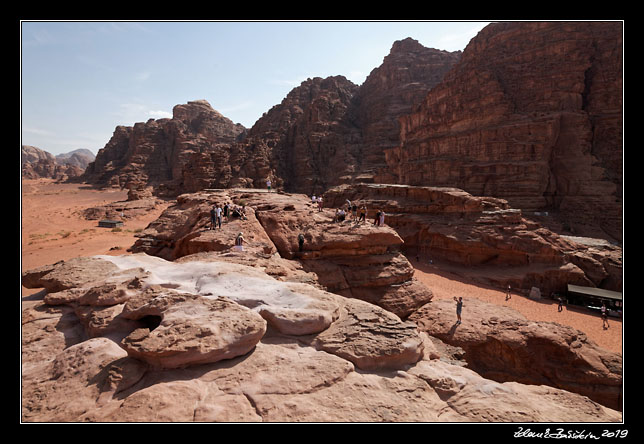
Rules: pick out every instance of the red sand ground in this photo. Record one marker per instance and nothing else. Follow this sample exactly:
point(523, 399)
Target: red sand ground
point(447, 282)
point(53, 230)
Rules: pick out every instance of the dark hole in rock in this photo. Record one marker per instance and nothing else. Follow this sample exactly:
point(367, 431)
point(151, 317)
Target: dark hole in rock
point(151, 321)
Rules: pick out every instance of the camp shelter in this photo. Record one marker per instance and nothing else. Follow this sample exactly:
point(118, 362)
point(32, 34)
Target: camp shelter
point(594, 298)
point(106, 223)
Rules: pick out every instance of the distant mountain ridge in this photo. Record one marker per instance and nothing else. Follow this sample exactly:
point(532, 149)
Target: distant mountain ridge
point(37, 163)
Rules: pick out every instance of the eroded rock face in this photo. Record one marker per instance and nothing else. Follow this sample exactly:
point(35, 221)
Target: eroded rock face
point(502, 345)
point(37, 163)
point(496, 125)
point(356, 260)
point(483, 233)
point(69, 377)
point(325, 132)
point(156, 152)
point(192, 330)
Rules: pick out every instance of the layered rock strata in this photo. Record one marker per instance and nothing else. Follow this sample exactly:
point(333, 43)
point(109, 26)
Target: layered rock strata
point(325, 132)
point(532, 113)
point(157, 152)
point(166, 352)
point(495, 242)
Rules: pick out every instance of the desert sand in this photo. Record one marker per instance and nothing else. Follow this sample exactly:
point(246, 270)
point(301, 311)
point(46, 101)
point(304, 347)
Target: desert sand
point(447, 281)
point(53, 230)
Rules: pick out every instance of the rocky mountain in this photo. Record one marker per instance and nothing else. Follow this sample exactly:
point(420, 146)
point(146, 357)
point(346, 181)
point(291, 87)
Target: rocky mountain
point(325, 132)
point(157, 152)
point(532, 113)
point(37, 163)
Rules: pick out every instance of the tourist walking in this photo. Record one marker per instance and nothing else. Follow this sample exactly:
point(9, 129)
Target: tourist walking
point(459, 308)
point(377, 218)
point(604, 317)
point(268, 185)
point(560, 306)
point(508, 293)
point(319, 203)
point(213, 218)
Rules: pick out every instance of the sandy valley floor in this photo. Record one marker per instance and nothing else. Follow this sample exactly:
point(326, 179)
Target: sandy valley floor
point(53, 230)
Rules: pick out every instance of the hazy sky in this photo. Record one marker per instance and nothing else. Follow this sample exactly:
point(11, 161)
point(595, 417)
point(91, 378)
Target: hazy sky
point(79, 80)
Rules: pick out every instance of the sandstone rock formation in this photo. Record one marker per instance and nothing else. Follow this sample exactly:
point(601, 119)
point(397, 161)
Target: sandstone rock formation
point(502, 345)
point(324, 132)
point(390, 91)
point(71, 374)
point(354, 260)
point(156, 152)
point(532, 113)
point(486, 235)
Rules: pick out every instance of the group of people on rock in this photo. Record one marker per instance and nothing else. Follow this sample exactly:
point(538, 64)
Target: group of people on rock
point(225, 212)
point(357, 213)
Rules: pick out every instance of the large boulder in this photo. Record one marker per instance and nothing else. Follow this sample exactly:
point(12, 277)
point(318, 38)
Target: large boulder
point(191, 329)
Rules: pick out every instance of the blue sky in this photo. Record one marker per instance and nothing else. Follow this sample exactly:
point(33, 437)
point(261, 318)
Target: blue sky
point(79, 80)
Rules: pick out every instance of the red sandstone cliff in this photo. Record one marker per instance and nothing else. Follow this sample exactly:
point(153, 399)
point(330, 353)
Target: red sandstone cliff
point(532, 113)
point(325, 132)
point(157, 152)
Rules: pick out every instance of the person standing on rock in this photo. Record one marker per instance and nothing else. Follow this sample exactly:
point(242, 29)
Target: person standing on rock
point(319, 203)
point(218, 211)
point(508, 294)
point(226, 208)
point(381, 219)
point(459, 308)
point(377, 218)
point(268, 184)
point(363, 213)
point(560, 307)
point(213, 218)
point(239, 242)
